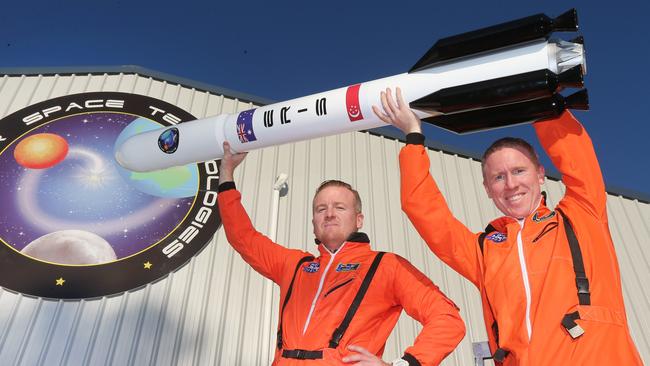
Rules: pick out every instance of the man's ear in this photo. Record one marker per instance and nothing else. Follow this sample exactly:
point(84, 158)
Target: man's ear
point(359, 220)
point(487, 190)
point(541, 174)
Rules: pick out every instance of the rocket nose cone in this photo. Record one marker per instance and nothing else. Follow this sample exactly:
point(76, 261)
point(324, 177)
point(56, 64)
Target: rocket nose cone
point(131, 155)
point(119, 157)
point(122, 157)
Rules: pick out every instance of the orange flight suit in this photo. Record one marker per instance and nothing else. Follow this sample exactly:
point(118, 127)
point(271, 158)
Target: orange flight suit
point(499, 275)
point(395, 286)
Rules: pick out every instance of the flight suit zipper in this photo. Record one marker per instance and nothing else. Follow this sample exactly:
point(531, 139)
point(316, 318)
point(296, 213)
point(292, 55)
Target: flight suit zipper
point(524, 275)
point(320, 288)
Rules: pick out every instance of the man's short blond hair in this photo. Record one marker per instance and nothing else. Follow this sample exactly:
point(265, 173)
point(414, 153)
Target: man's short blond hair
point(513, 143)
point(339, 183)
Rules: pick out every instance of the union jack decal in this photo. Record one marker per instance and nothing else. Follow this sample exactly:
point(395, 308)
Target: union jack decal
point(241, 133)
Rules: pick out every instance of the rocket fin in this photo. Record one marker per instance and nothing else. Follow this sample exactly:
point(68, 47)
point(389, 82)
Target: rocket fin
point(509, 89)
point(491, 38)
point(510, 114)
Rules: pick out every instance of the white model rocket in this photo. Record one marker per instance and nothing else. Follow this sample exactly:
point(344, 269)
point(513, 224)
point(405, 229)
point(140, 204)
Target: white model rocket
point(501, 75)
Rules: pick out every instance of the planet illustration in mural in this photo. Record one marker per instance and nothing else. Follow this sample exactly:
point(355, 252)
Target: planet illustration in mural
point(174, 182)
point(71, 213)
point(71, 247)
point(40, 151)
point(118, 212)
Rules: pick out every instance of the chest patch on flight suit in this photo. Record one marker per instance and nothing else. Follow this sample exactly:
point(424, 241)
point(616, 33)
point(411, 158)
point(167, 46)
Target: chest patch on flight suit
point(312, 267)
point(497, 237)
point(536, 218)
point(347, 267)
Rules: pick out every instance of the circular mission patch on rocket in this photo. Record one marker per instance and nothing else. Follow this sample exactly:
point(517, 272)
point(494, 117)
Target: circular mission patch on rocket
point(73, 222)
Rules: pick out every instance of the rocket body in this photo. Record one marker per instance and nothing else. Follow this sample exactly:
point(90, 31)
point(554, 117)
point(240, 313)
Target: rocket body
point(333, 112)
point(337, 111)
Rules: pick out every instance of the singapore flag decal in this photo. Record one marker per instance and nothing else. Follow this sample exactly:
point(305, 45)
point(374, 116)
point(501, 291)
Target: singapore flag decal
point(352, 103)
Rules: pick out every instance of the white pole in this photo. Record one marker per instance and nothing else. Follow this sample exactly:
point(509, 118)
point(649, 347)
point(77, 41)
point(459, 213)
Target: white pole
point(269, 333)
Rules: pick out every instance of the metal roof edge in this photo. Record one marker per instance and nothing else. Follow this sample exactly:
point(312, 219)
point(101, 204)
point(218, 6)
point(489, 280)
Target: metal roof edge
point(134, 69)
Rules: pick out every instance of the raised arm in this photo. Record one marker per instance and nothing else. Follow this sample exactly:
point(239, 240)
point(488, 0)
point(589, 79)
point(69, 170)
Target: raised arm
point(421, 199)
point(260, 252)
point(570, 149)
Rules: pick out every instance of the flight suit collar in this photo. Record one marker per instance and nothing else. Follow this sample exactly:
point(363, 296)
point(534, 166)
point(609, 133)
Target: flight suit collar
point(355, 240)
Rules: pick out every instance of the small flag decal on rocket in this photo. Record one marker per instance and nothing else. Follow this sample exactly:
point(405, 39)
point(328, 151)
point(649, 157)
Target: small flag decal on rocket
point(245, 126)
point(352, 103)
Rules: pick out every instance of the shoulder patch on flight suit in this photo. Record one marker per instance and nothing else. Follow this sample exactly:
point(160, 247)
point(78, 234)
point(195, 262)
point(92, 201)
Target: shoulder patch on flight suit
point(312, 267)
point(347, 267)
point(497, 237)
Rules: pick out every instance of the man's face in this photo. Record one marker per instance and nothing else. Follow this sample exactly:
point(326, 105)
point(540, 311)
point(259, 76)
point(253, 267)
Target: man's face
point(513, 182)
point(335, 216)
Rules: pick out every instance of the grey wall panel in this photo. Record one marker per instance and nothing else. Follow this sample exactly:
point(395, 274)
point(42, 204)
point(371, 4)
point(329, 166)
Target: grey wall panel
point(216, 310)
point(630, 234)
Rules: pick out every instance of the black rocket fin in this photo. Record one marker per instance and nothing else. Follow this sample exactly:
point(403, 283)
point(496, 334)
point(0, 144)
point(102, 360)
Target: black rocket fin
point(566, 22)
point(510, 114)
point(504, 90)
point(497, 36)
point(572, 78)
point(578, 100)
point(578, 39)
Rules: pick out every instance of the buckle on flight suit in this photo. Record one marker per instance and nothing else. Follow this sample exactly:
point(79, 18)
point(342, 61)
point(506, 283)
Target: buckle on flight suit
point(500, 354)
point(582, 284)
point(302, 354)
point(573, 328)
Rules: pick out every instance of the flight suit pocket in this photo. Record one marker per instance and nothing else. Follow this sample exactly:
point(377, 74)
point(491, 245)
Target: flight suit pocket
point(598, 318)
point(338, 296)
point(339, 285)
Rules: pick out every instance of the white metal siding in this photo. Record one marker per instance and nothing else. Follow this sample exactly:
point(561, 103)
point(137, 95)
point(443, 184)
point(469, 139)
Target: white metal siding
point(212, 311)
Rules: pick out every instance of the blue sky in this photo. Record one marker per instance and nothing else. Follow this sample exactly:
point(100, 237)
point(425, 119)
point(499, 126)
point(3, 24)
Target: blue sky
point(282, 50)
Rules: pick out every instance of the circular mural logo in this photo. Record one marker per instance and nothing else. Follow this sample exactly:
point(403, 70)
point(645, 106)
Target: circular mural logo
point(73, 222)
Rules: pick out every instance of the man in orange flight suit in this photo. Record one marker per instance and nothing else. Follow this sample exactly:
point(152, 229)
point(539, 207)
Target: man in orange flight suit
point(340, 307)
point(537, 309)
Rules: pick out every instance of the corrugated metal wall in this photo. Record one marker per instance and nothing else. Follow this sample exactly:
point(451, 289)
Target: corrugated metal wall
point(216, 310)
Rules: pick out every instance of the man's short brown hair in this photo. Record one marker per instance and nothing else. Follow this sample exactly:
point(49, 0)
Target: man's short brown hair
point(339, 183)
point(514, 143)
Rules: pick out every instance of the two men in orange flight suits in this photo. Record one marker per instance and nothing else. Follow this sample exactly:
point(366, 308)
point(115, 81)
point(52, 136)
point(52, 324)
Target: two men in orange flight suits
point(317, 294)
point(538, 309)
